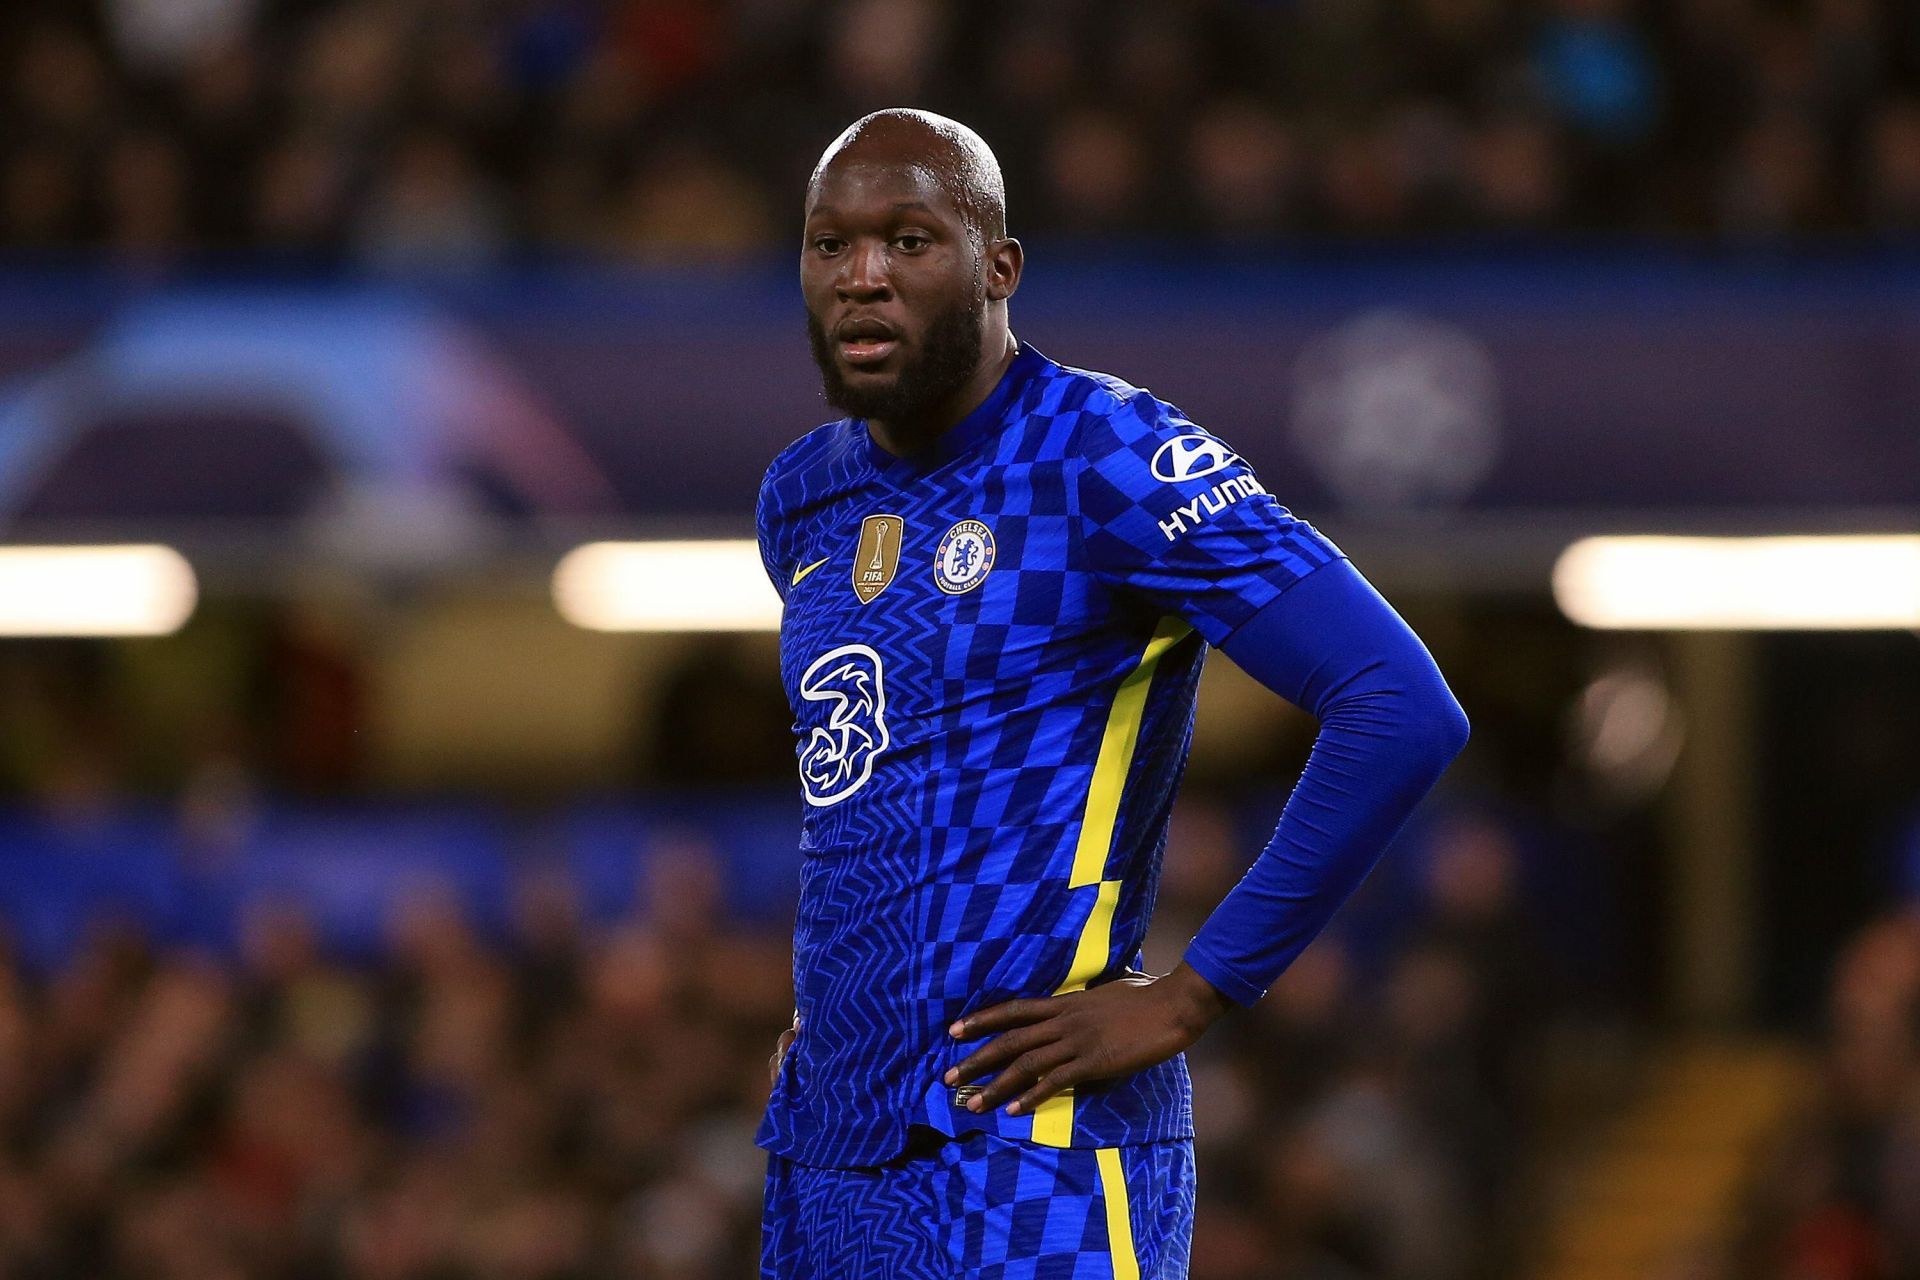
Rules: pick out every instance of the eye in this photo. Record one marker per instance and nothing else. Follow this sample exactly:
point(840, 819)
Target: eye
point(911, 242)
point(828, 245)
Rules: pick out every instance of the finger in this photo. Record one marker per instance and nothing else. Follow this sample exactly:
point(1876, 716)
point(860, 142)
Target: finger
point(1022, 1073)
point(1013, 1013)
point(1064, 1076)
point(997, 1053)
point(778, 1056)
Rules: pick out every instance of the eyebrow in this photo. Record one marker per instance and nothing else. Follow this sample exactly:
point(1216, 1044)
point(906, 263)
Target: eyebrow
point(898, 206)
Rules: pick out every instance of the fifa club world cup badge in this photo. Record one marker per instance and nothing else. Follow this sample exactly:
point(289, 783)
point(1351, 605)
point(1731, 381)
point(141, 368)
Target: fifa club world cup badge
point(877, 558)
point(965, 557)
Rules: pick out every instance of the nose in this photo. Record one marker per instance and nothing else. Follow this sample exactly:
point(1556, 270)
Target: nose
point(863, 274)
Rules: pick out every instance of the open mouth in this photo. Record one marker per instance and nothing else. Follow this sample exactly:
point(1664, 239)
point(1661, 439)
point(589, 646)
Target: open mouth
point(866, 342)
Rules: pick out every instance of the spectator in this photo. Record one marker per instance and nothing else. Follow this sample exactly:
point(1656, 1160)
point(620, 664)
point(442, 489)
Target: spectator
point(689, 203)
point(1893, 168)
point(62, 89)
point(430, 209)
point(347, 72)
point(40, 198)
point(1366, 182)
point(1244, 171)
point(1776, 181)
point(300, 193)
point(882, 52)
point(144, 176)
point(1836, 1198)
point(1097, 173)
point(164, 37)
point(1515, 176)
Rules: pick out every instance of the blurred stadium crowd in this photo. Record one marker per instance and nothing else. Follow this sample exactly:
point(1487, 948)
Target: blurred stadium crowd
point(466, 131)
point(1839, 1196)
point(555, 1096)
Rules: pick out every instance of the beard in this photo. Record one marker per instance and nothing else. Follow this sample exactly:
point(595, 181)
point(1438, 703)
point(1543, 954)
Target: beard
point(948, 357)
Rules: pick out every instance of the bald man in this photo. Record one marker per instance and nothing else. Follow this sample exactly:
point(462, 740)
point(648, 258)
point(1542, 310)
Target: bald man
point(1001, 576)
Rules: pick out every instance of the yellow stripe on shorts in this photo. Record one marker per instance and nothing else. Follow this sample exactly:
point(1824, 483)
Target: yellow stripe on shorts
point(1113, 1190)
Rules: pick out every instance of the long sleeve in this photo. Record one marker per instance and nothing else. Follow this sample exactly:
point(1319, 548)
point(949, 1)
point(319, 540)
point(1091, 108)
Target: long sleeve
point(1388, 728)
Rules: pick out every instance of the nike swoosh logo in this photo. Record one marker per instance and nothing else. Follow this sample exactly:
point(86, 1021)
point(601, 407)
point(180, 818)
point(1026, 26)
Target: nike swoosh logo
point(801, 573)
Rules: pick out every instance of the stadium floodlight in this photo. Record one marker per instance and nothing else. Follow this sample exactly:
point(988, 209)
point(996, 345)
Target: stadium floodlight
point(1828, 583)
point(715, 585)
point(130, 590)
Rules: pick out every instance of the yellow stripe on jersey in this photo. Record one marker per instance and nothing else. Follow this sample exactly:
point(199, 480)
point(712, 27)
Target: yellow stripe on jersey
point(1116, 755)
point(1113, 1190)
point(1053, 1119)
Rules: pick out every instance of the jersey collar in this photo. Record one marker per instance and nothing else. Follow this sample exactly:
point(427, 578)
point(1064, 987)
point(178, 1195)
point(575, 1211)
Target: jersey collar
point(984, 422)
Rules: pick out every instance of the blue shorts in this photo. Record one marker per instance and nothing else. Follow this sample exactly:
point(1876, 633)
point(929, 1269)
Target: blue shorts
point(984, 1208)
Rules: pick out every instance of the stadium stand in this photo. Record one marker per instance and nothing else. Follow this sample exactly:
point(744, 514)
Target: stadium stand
point(460, 134)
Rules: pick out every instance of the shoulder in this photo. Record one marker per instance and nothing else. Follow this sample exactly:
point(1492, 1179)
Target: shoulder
point(812, 450)
point(1064, 389)
point(1122, 430)
point(1089, 414)
point(799, 475)
point(797, 469)
point(1112, 414)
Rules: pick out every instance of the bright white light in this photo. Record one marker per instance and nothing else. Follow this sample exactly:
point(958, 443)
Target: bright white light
point(95, 591)
point(1741, 584)
point(666, 586)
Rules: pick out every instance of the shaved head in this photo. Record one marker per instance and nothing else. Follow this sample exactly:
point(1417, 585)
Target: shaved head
point(956, 158)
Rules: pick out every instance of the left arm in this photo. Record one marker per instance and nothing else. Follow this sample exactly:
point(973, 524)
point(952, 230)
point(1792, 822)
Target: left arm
point(1388, 728)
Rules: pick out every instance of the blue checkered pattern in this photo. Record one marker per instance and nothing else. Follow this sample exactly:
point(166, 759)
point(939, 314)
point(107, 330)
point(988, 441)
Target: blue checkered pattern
point(982, 1208)
point(941, 883)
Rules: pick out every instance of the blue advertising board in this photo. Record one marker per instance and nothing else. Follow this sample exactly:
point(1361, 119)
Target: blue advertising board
point(1583, 386)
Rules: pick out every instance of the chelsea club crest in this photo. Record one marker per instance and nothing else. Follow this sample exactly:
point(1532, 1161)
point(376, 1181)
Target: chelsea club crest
point(964, 558)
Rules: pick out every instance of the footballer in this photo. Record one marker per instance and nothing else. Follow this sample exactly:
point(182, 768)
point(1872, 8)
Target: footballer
point(1001, 575)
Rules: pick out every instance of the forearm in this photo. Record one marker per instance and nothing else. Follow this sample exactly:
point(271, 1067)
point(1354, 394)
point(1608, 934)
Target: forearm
point(1388, 728)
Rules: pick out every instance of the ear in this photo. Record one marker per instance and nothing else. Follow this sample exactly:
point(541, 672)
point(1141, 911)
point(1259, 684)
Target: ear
point(1005, 259)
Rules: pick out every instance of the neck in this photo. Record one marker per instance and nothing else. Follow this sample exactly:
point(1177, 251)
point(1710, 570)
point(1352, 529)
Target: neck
point(907, 437)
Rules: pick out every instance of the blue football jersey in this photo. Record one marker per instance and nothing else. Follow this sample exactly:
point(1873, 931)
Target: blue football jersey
point(992, 651)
